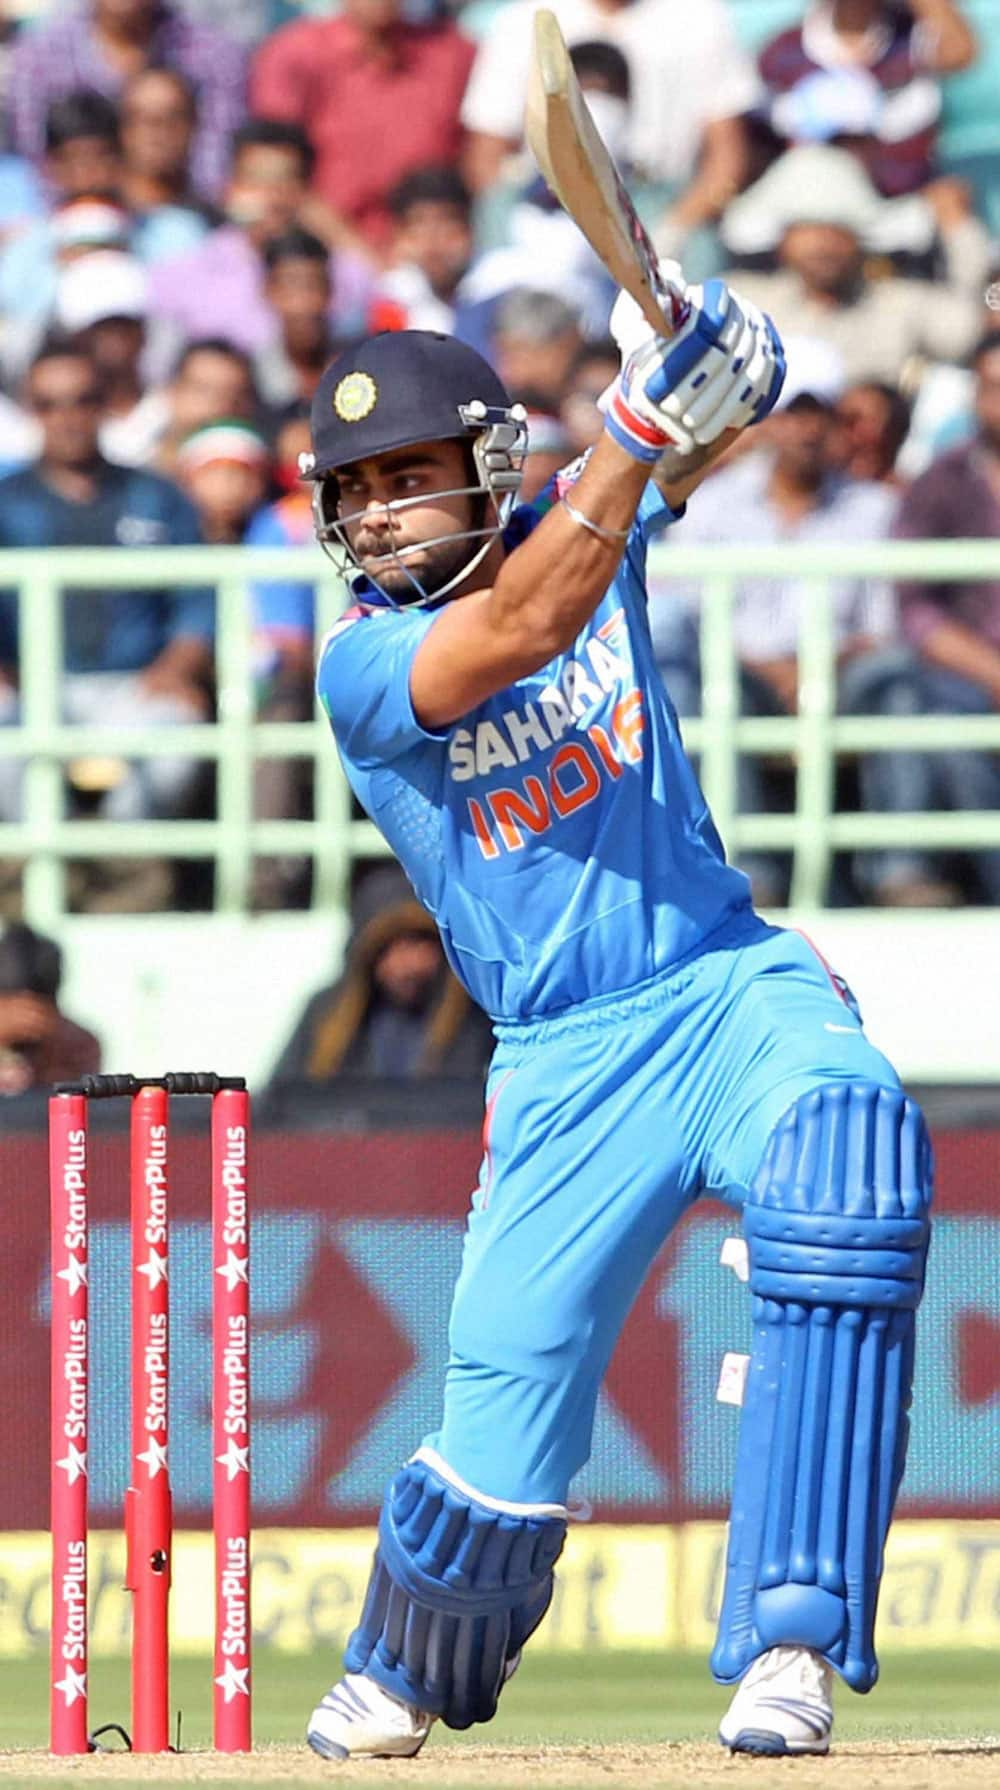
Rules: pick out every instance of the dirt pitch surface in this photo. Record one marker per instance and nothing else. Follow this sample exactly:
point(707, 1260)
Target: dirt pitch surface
point(940, 1765)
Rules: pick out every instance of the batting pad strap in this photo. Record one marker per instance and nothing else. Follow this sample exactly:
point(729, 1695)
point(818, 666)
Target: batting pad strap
point(456, 1589)
point(837, 1230)
point(821, 1259)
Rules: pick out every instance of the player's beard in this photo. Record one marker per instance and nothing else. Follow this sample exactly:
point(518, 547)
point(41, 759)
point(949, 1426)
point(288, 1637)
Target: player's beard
point(408, 582)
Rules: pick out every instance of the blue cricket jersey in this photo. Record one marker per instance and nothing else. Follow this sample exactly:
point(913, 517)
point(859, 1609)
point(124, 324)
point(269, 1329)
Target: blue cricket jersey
point(557, 832)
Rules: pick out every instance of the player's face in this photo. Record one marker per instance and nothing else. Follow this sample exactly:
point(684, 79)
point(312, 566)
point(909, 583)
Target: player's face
point(427, 487)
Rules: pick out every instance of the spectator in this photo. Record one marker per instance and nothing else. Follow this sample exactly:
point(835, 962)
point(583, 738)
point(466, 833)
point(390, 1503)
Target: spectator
point(944, 401)
point(541, 246)
point(219, 288)
point(225, 469)
point(212, 379)
point(397, 1011)
point(955, 626)
point(343, 80)
point(285, 634)
point(819, 210)
point(19, 439)
point(86, 176)
point(865, 73)
point(38, 1043)
point(83, 169)
point(101, 301)
point(159, 119)
point(536, 342)
point(550, 446)
point(691, 84)
point(284, 609)
point(297, 287)
point(102, 44)
point(596, 365)
point(430, 251)
point(248, 20)
point(22, 197)
point(873, 421)
point(133, 657)
point(789, 490)
point(82, 149)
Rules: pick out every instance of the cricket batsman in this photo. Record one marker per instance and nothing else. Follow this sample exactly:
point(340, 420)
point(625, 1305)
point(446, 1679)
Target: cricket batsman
point(497, 708)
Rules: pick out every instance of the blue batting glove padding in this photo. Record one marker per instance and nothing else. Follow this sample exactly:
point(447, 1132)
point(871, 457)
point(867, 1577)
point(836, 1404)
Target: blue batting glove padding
point(766, 403)
point(709, 321)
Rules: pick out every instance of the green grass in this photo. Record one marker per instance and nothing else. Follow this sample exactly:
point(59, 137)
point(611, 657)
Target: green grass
point(557, 1698)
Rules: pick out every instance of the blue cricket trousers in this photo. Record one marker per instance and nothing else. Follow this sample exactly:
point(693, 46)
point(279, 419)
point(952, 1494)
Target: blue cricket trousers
point(602, 1124)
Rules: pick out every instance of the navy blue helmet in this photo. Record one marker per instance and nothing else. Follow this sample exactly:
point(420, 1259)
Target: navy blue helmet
point(402, 387)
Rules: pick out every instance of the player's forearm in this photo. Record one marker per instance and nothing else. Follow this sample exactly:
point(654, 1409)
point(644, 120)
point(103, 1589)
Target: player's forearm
point(551, 584)
point(541, 598)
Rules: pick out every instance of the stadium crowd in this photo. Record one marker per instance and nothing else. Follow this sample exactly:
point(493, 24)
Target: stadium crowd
point(202, 200)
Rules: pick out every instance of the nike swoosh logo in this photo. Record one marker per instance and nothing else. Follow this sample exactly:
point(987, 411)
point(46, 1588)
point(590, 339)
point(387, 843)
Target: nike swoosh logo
point(827, 1027)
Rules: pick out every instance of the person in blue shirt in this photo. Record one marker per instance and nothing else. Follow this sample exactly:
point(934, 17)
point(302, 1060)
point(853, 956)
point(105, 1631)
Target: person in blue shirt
point(496, 704)
point(133, 657)
point(284, 612)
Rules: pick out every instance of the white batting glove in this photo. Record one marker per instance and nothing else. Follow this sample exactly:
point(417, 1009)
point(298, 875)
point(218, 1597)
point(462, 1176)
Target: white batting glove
point(627, 325)
point(722, 370)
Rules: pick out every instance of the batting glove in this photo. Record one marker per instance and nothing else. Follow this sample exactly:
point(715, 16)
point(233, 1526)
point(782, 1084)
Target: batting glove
point(722, 370)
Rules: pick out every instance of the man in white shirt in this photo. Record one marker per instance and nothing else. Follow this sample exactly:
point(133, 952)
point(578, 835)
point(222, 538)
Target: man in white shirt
point(691, 83)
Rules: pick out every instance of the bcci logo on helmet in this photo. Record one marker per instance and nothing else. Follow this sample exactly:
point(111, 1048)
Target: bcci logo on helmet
point(355, 397)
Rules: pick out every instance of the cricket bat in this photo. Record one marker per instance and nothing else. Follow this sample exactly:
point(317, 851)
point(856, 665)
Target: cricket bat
point(576, 165)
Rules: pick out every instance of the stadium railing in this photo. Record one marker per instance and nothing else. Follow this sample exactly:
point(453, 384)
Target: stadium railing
point(814, 739)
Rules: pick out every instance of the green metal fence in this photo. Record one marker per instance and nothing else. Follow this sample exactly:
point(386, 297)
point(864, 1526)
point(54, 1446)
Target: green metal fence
point(813, 738)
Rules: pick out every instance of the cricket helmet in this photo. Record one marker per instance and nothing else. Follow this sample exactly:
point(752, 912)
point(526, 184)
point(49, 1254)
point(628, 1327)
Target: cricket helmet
point(401, 387)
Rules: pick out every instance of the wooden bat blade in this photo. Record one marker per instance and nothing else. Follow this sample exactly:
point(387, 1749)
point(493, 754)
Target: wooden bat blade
point(577, 167)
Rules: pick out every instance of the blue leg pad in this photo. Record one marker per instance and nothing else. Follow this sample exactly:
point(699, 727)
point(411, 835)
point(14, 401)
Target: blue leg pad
point(457, 1586)
point(837, 1226)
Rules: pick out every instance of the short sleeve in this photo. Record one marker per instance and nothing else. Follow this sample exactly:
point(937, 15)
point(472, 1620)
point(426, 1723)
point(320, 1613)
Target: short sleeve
point(363, 683)
point(654, 513)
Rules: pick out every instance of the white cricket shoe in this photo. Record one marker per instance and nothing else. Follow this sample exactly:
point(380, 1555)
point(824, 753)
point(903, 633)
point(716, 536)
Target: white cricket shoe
point(358, 1719)
point(784, 1704)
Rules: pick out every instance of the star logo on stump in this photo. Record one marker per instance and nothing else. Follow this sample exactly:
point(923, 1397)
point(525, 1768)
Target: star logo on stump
point(235, 1460)
point(75, 1463)
point(232, 1681)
